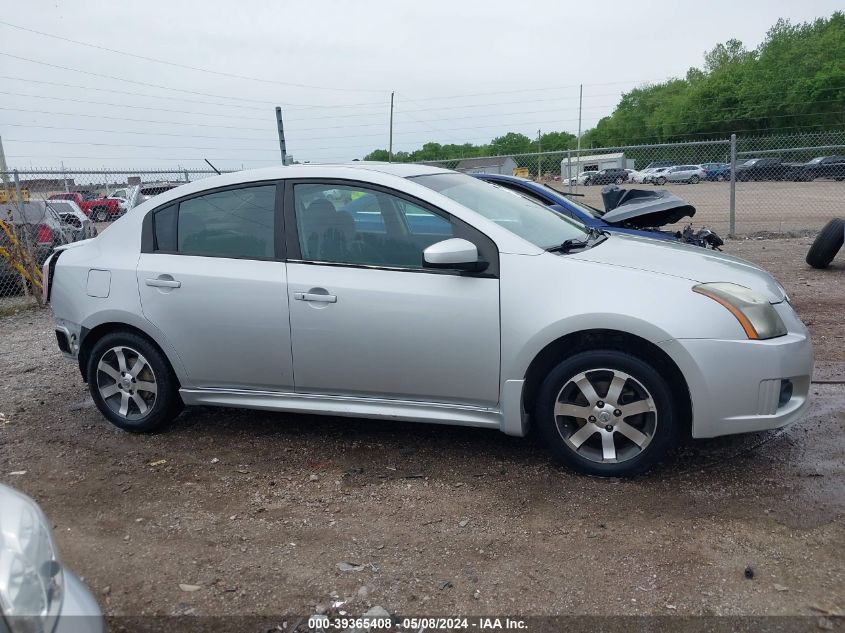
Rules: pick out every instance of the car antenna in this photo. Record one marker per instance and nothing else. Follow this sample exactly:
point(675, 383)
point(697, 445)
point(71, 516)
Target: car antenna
point(212, 166)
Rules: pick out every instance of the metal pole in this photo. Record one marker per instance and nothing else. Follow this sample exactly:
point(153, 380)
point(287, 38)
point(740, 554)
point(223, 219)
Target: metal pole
point(539, 149)
point(569, 168)
point(580, 101)
point(187, 178)
point(390, 146)
point(281, 129)
point(732, 229)
point(18, 189)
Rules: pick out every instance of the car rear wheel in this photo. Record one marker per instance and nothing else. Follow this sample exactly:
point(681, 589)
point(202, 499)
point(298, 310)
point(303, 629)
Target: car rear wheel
point(131, 383)
point(720, 177)
point(694, 180)
point(827, 244)
point(606, 413)
point(619, 180)
point(588, 182)
point(660, 181)
point(100, 214)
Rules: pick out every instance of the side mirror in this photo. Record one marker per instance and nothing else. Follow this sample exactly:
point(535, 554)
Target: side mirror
point(454, 254)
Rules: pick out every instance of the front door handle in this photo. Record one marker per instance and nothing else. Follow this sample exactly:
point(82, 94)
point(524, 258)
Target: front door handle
point(312, 296)
point(163, 282)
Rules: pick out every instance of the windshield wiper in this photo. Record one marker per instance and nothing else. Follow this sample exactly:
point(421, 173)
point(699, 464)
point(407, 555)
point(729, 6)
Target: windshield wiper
point(570, 245)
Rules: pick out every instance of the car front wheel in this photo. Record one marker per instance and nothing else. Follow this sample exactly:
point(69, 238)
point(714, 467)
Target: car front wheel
point(694, 180)
point(131, 383)
point(619, 180)
point(660, 181)
point(606, 413)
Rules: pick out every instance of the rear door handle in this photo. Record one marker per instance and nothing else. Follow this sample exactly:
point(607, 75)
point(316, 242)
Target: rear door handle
point(163, 283)
point(312, 296)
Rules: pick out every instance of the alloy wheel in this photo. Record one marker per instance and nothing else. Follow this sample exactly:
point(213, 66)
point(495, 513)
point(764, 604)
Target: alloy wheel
point(126, 382)
point(605, 416)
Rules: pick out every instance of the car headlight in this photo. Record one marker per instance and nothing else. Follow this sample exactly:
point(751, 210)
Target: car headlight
point(757, 317)
point(31, 578)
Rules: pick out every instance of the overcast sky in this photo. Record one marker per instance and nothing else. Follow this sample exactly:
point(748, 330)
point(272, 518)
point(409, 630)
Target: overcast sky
point(463, 71)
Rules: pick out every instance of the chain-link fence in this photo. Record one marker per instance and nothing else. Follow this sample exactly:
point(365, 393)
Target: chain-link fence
point(742, 186)
point(42, 209)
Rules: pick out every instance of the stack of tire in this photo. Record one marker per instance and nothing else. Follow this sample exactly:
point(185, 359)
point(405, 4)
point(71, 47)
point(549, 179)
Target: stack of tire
point(827, 244)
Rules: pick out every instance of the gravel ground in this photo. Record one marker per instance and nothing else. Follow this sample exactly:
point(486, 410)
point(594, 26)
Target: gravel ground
point(259, 513)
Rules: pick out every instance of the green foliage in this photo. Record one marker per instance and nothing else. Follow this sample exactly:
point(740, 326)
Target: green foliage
point(793, 82)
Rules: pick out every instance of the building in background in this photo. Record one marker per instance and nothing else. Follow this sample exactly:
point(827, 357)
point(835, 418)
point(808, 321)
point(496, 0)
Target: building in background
point(598, 162)
point(488, 165)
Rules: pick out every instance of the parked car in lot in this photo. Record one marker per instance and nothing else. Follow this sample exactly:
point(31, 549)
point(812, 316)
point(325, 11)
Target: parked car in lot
point(660, 163)
point(126, 198)
point(819, 167)
point(582, 177)
point(612, 175)
point(655, 174)
point(256, 289)
point(761, 169)
point(639, 177)
point(37, 593)
point(43, 225)
point(690, 174)
point(644, 221)
point(717, 171)
point(96, 208)
point(151, 189)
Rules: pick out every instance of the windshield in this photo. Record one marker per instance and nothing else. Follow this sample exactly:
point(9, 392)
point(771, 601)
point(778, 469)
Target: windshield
point(530, 220)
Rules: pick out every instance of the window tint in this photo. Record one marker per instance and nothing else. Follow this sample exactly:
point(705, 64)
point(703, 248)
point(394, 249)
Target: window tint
point(165, 228)
point(234, 223)
point(355, 225)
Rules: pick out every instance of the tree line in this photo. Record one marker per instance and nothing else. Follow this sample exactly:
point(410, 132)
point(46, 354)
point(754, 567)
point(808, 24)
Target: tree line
point(793, 82)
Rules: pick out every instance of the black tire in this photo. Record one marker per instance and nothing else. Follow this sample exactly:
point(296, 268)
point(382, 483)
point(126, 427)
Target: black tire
point(827, 244)
point(662, 428)
point(165, 404)
point(660, 181)
point(588, 182)
point(720, 177)
point(619, 180)
point(101, 214)
point(694, 180)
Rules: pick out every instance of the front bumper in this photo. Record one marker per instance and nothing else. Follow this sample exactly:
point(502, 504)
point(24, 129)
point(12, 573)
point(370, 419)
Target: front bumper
point(739, 386)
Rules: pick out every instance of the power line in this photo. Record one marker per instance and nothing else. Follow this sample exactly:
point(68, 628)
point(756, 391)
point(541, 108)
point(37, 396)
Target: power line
point(132, 81)
point(83, 129)
point(165, 147)
point(117, 118)
point(187, 67)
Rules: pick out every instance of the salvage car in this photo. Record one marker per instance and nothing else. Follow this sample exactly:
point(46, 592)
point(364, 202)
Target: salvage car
point(95, 207)
point(645, 220)
point(761, 169)
point(42, 225)
point(607, 176)
point(257, 289)
point(37, 592)
point(819, 167)
point(690, 174)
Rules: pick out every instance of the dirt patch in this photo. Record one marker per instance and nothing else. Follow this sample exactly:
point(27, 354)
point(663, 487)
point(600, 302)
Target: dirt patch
point(259, 509)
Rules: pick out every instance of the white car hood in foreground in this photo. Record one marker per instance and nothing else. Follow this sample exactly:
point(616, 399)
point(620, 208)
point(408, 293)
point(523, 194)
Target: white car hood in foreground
point(682, 260)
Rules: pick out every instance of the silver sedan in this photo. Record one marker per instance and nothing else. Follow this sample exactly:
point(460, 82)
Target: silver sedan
point(408, 292)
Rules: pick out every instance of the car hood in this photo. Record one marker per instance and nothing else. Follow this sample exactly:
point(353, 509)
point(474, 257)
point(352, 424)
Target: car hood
point(684, 261)
point(643, 208)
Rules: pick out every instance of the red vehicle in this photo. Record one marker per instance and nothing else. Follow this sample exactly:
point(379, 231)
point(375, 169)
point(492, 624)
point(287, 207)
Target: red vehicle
point(98, 209)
